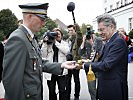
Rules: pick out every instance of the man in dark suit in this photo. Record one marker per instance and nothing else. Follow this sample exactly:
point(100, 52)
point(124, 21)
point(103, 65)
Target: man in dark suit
point(1, 59)
point(112, 66)
point(22, 63)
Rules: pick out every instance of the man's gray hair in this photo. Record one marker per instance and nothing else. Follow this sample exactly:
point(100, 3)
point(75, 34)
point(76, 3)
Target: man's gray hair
point(107, 20)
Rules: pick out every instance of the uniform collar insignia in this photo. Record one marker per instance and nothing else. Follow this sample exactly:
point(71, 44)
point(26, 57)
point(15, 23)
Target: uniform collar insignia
point(29, 37)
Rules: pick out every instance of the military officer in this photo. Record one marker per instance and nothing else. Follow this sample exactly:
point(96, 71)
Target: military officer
point(23, 64)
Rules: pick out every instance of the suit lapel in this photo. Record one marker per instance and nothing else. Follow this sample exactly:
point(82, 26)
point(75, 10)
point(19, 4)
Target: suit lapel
point(31, 40)
point(36, 46)
point(106, 46)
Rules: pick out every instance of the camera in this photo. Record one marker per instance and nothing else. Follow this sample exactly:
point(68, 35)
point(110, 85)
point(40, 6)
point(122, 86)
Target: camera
point(49, 37)
point(89, 33)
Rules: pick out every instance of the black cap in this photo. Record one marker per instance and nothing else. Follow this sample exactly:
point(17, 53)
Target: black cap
point(40, 9)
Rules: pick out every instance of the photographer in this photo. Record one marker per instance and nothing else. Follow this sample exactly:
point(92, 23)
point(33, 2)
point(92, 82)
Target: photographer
point(55, 49)
point(85, 48)
point(90, 44)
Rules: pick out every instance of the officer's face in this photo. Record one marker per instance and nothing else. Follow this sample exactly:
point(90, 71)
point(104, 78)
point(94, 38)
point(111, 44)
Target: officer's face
point(37, 23)
point(105, 31)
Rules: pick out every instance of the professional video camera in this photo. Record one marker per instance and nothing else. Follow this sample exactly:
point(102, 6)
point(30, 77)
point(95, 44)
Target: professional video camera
point(49, 37)
point(89, 33)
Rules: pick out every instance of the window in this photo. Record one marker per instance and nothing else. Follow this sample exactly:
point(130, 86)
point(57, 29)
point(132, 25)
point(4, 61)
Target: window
point(117, 4)
point(105, 1)
point(126, 1)
point(111, 7)
point(105, 10)
point(130, 23)
point(121, 2)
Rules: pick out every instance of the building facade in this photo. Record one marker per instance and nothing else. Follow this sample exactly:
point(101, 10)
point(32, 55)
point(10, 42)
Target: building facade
point(121, 10)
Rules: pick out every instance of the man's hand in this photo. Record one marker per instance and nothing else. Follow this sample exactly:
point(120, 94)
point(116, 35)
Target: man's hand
point(79, 66)
point(81, 63)
point(69, 65)
point(45, 39)
point(84, 38)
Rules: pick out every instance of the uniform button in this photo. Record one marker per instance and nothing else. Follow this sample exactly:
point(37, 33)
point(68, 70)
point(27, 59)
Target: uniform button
point(28, 96)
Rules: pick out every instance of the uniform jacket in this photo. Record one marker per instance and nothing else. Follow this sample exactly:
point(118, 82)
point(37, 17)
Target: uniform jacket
point(48, 53)
point(23, 66)
point(1, 59)
point(112, 70)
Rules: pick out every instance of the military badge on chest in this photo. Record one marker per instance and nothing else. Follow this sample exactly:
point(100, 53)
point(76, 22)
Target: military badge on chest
point(34, 64)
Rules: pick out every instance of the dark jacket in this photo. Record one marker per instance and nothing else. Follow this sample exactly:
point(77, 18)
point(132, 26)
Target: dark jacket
point(86, 51)
point(23, 66)
point(112, 70)
point(1, 59)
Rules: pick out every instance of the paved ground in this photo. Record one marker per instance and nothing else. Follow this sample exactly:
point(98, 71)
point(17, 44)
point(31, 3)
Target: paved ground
point(130, 80)
point(84, 94)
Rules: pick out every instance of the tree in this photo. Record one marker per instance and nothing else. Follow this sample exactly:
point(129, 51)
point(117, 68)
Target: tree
point(65, 34)
point(8, 23)
point(131, 34)
point(84, 28)
point(49, 26)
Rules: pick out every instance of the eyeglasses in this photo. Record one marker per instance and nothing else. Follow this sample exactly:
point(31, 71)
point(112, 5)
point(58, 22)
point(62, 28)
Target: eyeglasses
point(42, 19)
point(102, 29)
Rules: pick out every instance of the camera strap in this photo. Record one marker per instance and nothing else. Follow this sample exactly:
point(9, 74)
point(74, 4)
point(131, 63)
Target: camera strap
point(72, 43)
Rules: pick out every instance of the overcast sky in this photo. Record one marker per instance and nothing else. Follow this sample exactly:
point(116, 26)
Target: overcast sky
point(85, 10)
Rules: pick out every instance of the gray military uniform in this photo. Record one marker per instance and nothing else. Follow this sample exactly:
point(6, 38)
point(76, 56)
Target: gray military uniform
point(23, 66)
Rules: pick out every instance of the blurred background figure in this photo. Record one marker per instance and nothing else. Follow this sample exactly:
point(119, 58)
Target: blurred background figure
point(123, 34)
point(56, 52)
point(91, 44)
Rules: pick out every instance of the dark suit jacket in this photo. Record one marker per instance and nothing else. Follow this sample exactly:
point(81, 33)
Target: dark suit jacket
point(112, 70)
point(1, 59)
point(23, 66)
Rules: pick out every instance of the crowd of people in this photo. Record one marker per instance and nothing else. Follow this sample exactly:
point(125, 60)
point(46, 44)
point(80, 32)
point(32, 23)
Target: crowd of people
point(23, 61)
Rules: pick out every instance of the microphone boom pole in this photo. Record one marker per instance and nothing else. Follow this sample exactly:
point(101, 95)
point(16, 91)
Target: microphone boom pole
point(73, 17)
point(70, 8)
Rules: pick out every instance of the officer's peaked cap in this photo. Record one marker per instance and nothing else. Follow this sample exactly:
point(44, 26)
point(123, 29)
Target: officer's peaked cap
point(40, 9)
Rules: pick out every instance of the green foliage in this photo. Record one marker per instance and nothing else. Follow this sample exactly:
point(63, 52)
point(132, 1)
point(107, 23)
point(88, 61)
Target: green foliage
point(84, 28)
point(65, 34)
point(49, 26)
point(8, 23)
point(131, 34)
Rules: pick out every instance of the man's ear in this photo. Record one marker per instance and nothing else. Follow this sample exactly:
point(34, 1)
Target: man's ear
point(112, 26)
